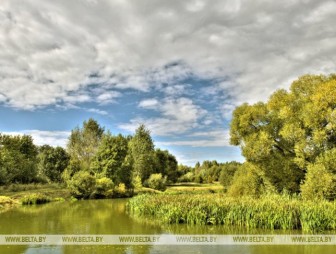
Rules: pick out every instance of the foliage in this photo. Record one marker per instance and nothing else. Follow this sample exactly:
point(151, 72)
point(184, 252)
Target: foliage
point(141, 153)
point(320, 181)
point(166, 164)
point(52, 162)
point(288, 132)
point(110, 159)
point(18, 159)
point(120, 190)
point(157, 182)
point(35, 199)
point(268, 212)
point(82, 184)
point(228, 170)
point(249, 180)
point(104, 187)
point(83, 143)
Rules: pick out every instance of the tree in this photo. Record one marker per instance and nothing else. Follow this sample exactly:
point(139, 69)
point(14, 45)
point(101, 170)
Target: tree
point(320, 180)
point(227, 172)
point(83, 143)
point(52, 162)
point(141, 152)
point(18, 159)
point(110, 159)
point(286, 134)
point(166, 164)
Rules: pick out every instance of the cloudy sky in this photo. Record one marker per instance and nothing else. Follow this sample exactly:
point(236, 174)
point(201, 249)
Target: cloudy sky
point(178, 66)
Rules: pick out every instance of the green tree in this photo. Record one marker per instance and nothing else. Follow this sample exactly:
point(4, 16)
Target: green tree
point(320, 180)
point(18, 159)
point(227, 172)
point(141, 153)
point(83, 143)
point(166, 164)
point(288, 132)
point(52, 162)
point(110, 159)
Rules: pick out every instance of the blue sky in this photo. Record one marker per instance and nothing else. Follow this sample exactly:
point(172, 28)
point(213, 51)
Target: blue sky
point(179, 67)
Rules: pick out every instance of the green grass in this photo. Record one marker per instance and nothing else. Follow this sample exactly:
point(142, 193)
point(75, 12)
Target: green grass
point(195, 188)
point(268, 212)
point(18, 191)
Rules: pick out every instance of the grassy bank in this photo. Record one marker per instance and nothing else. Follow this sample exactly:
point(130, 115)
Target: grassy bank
point(31, 194)
point(269, 212)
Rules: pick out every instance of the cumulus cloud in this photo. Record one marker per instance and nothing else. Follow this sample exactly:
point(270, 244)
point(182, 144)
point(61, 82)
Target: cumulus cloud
point(177, 115)
point(257, 45)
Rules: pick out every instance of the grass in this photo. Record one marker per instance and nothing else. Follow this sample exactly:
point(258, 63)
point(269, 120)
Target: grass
point(195, 188)
point(268, 212)
point(18, 191)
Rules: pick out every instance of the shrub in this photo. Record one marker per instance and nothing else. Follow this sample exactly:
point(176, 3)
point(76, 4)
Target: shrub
point(104, 187)
point(157, 182)
point(35, 199)
point(186, 178)
point(136, 182)
point(120, 190)
point(82, 184)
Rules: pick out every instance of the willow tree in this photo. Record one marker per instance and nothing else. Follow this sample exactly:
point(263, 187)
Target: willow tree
point(285, 135)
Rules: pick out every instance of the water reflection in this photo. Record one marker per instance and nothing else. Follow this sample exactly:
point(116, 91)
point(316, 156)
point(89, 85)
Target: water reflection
point(110, 217)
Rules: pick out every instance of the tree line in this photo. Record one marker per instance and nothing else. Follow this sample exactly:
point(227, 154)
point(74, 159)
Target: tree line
point(95, 162)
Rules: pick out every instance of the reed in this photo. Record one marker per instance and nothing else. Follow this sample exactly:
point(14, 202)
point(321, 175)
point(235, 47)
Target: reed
point(268, 212)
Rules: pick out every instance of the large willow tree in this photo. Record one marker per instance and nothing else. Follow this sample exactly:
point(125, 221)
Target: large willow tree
point(289, 134)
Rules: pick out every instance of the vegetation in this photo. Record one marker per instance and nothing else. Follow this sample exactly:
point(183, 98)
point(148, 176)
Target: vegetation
point(157, 182)
point(35, 199)
point(268, 212)
point(290, 135)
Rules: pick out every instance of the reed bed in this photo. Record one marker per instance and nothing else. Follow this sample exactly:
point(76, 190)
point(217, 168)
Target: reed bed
point(268, 212)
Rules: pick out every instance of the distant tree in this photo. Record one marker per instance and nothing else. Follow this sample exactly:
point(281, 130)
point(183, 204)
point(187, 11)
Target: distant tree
point(166, 164)
point(141, 153)
point(52, 162)
point(227, 172)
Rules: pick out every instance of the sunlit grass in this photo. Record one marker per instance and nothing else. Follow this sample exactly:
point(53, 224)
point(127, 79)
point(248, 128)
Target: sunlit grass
point(268, 212)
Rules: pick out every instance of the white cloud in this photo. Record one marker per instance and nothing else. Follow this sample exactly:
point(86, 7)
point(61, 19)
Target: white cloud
point(258, 46)
point(178, 115)
point(149, 103)
point(53, 138)
point(108, 97)
point(97, 111)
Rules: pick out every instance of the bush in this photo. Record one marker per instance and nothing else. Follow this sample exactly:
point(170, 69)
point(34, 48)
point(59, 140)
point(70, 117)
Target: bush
point(186, 178)
point(320, 179)
point(35, 199)
point(136, 182)
point(120, 190)
point(157, 182)
point(249, 180)
point(82, 184)
point(104, 187)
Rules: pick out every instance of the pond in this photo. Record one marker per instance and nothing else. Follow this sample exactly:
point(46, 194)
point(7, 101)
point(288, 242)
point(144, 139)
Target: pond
point(110, 217)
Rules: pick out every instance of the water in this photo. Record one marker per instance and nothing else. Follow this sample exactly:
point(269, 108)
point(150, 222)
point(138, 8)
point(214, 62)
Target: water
point(110, 217)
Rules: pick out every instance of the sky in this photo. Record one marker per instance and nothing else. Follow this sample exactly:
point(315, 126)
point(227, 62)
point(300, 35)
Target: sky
point(180, 66)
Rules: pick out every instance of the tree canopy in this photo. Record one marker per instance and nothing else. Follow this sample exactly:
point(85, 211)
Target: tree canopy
point(285, 135)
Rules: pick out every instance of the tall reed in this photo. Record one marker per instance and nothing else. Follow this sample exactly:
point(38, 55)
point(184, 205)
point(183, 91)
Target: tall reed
point(268, 212)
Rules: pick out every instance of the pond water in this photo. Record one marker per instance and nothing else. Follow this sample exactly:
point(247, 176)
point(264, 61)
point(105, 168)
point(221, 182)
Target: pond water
point(110, 217)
